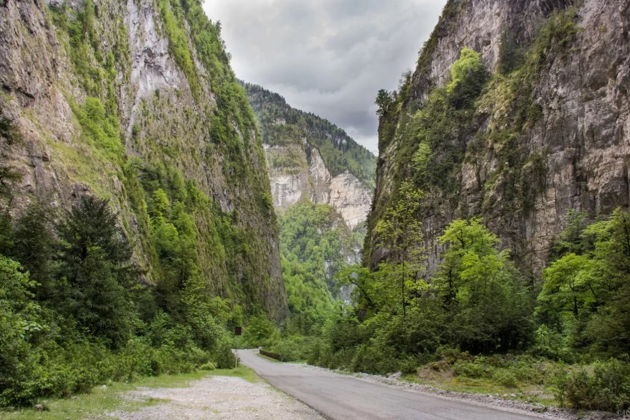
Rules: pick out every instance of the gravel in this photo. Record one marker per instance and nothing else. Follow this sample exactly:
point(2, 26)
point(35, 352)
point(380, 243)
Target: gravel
point(217, 397)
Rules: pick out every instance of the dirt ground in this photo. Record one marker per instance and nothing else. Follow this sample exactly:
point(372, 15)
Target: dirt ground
point(217, 397)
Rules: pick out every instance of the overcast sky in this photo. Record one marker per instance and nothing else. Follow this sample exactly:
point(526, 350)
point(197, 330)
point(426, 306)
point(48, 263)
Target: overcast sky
point(329, 57)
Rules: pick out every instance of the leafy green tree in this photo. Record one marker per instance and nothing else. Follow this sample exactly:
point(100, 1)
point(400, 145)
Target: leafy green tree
point(6, 233)
point(19, 324)
point(609, 329)
point(569, 285)
point(400, 232)
point(468, 77)
point(487, 304)
point(259, 331)
point(585, 294)
point(572, 239)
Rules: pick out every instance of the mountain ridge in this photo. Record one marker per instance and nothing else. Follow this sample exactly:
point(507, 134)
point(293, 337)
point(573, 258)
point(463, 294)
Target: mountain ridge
point(310, 158)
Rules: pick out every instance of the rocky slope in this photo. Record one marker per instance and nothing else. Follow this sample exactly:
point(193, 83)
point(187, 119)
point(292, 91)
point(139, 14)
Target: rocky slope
point(548, 131)
point(310, 158)
point(135, 101)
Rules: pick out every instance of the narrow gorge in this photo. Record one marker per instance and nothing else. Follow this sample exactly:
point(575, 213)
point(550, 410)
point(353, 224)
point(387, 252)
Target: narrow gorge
point(163, 220)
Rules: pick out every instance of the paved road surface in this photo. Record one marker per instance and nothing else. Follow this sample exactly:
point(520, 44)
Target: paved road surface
point(339, 396)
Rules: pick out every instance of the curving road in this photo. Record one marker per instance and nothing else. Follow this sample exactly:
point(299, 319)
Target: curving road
point(338, 396)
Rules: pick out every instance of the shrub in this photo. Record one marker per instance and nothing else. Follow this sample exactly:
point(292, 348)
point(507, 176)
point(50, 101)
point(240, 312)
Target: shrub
point(602, 386)
point(505, 378)
point(471, 369)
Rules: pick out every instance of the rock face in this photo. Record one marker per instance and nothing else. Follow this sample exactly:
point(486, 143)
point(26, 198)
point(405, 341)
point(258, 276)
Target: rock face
point(311, 159)
point(117, 98)
point(550, 131)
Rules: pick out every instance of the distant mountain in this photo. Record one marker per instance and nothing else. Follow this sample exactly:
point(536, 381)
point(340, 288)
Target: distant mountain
point(312, 159)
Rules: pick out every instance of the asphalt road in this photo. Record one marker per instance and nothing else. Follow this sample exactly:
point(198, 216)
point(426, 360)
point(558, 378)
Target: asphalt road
point(338, 396)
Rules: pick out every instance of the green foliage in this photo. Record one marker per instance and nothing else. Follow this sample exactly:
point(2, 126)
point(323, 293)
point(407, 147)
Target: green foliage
point(315, 245)
point(87, 314)
point(505, 378)
point(95, 273)
point(172, 16)
point(582, 296)
point(96, 63)
point(19, 324)
point(476, 301)
point(511, 56)
point(487, 304)
point(283, 125)
point(8, 130)
point(100, 128)
point(435, 136)
point(603, 386)
point(33, 245)
point(384, 101)
point(400, 232)
point(468, 76)
point(259, 331)
point(474, 117)
point(90, 321)
point(8, 175)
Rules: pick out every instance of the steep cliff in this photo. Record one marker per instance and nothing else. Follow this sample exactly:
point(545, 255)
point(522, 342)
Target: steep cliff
point(135, 101)
point(310, 158)
point(518, 111)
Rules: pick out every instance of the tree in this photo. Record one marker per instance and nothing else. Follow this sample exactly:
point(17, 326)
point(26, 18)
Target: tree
point(400, 232)
point(19, 323)
point(33, 247)
point(384, 100)
point(568, 285)
point(468, 76)
point(485, 299)
point(94, 265)
point(585, 294)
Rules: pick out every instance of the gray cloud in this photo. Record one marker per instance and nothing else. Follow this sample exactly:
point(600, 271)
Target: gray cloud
point(329, 57)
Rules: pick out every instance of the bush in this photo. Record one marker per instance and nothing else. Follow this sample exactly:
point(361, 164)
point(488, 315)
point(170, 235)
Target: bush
point(294, 348)
point(259, 332)
point(602, 386)
point(505, 378)
point(471, 369)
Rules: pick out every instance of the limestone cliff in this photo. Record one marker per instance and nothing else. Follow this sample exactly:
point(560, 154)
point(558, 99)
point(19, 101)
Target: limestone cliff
point(547, 131)
point(135, 101)
point(310, 158)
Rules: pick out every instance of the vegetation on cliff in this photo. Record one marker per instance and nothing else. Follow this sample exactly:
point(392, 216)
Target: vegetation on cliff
point(282, 125)
point(154, 261)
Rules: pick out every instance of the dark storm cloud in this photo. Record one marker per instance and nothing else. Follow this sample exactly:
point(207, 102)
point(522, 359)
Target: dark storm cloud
point(329, 57)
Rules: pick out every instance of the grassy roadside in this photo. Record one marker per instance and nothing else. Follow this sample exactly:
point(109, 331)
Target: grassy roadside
point(513, 377)
point(531, 393)
point(108, 398)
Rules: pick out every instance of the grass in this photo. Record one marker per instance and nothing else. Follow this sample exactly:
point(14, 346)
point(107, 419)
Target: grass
point(522, 378)
point(104, 399)
point(522, 392)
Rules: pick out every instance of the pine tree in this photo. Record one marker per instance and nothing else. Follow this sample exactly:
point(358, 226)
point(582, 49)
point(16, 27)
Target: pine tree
point(94, 263)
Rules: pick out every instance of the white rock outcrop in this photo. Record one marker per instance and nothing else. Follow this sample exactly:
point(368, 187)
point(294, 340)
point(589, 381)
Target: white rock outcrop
point(309, 179)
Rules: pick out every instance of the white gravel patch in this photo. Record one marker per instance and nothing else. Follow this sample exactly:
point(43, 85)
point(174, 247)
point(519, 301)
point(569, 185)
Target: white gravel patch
point(218, 397)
